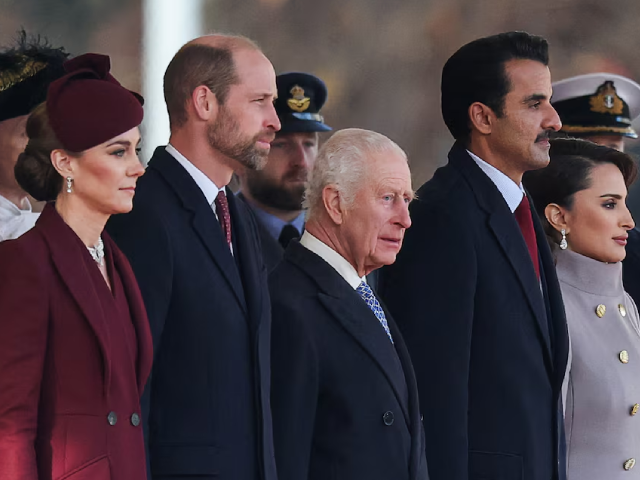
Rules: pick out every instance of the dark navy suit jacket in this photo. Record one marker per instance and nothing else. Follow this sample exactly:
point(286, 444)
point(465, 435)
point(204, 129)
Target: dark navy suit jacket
point(345, 400)
point(207, 401)
point(488, 340)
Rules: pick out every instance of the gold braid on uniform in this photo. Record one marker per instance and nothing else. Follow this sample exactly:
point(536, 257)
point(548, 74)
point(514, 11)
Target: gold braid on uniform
point(580, 129)
point(28, 57)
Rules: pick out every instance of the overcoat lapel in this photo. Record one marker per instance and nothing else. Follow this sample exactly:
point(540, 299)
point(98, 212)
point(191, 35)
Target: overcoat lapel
point(507, 232)
point(249, 256)
point(66, 251)
point(137, 310)
point(414, 422)
point(204, 220)
point(351, 312)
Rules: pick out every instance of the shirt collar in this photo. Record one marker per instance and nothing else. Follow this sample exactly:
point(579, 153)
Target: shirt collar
point(9, 207)
point(511, 192)
point(208, 187)
point(15, 221)
point(273, 224)
point(333, 258)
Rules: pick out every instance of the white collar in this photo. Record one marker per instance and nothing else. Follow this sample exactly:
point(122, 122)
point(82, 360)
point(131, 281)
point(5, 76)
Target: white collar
point(333, 258)
point(511, 192)
point(14, 221)
point(10, 207)
point(207, 186)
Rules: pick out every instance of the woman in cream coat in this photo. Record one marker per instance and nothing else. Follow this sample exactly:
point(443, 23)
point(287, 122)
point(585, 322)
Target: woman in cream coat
point(580, 198)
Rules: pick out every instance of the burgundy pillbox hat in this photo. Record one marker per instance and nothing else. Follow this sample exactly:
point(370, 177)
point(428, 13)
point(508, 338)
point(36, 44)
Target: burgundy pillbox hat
point(88, 106)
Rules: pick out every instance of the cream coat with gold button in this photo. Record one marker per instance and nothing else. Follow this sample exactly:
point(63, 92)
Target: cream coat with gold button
point(603, 381)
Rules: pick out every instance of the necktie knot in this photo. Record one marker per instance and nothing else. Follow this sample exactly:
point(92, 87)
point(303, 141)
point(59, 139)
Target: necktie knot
point(288, 233)
point(222, 210)
point(372, 302)
point(525, 222)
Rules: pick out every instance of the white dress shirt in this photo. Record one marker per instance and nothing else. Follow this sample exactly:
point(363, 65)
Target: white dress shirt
point(207, 186)
point(333, 258)
point(511, 192)
point(14, 221)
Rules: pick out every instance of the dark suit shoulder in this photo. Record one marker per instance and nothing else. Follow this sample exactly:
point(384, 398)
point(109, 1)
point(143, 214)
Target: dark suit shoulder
point(448, 196)
point(287, 277)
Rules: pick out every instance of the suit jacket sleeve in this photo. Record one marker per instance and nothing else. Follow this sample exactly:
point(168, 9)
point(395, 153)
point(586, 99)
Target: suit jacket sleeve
point(294, 392)
point(24, 318)
point(143, 238)
point(430, 292)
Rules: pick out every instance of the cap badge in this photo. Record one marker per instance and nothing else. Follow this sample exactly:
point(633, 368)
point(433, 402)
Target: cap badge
point(299, 103)
point(606, 100)
point(28, 69)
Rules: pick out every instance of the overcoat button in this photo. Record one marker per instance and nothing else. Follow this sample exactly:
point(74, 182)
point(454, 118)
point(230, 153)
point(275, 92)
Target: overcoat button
point(629, 464)
point(624, 356)
point(388, 418)
point(135, 419)
point(112, 418)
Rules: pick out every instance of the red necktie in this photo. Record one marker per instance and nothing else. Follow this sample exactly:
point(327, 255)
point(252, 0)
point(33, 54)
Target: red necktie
point(222, 209)
point(523, 217)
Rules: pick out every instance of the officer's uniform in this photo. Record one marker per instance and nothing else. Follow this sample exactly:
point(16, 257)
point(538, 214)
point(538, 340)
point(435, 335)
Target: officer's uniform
point(597, 104)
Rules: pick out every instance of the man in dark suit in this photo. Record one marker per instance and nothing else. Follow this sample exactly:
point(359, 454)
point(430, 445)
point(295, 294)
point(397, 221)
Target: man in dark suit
point(474, 289)
point(344, 397)
point(275, 192)
point(195, 252)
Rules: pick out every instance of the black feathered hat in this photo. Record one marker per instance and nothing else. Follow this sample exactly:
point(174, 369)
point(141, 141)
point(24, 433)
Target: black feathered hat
point(26, 70)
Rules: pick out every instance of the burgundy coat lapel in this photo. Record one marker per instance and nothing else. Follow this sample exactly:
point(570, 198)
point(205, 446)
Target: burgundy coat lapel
point(138, 312)
point(66, 252)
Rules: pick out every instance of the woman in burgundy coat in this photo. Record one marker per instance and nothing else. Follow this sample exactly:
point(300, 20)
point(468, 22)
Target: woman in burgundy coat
point(75, 346)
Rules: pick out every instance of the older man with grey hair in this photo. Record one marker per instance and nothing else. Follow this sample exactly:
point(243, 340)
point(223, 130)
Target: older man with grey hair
point(344, 395)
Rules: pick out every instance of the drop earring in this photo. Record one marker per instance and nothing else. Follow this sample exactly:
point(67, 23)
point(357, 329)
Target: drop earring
point(69, 184)
point(563, 243)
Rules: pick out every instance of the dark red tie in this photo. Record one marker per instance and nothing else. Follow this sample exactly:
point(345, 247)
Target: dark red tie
point(523, 217)
point(222, 209)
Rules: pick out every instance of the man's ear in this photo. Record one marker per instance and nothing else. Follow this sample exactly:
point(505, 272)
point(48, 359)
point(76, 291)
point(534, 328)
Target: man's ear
point(482, 118)
point(204, 103)
point(333, 203)
point(61, 161)
point(556, 217)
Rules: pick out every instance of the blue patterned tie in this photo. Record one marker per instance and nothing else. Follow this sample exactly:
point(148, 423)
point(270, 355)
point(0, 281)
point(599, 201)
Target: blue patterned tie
point(372, 302)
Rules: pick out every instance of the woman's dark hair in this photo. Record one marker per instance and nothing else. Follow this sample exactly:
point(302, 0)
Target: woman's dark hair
point(569, 171)
point(476, 73)
point(34, 171)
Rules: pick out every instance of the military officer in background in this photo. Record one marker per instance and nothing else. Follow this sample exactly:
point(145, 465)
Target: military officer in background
point(275, 193)
point(26, 70)
point(601, 107)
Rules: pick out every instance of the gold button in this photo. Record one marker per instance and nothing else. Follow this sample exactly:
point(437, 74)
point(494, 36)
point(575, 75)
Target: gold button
point(623, 311)
point(624, 356)
point(629, 464)
point(600, 310)
point(635, 409)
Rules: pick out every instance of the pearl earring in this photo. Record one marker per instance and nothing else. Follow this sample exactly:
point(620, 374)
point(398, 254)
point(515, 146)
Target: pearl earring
point(563, 242)
point(69, 184)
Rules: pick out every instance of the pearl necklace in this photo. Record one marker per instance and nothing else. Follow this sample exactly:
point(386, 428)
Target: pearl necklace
point(97, 252)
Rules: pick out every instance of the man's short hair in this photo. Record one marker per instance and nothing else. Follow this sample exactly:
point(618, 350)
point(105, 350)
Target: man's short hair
point(476, 73)
point(343, 162)
point(198, 64)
